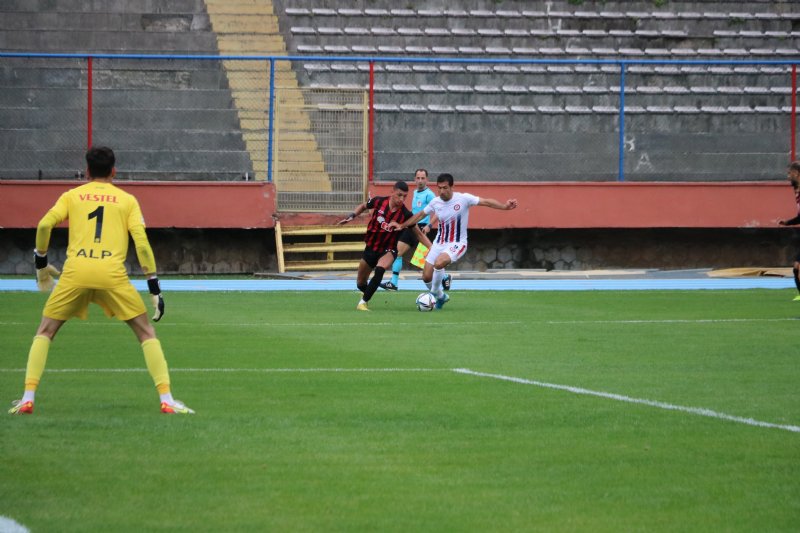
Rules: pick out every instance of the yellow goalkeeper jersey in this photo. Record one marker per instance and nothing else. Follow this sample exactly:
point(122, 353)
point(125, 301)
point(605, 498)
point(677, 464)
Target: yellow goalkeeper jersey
point(101, 216)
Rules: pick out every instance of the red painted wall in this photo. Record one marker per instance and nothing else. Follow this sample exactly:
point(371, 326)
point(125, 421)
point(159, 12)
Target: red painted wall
point(164, 204)
point(541, 205)
point(630, 205)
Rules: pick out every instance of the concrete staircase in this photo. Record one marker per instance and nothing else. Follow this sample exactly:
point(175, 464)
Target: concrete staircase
point(251, 28)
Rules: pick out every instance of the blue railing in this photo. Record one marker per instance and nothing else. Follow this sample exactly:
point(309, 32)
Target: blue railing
point(621, 63)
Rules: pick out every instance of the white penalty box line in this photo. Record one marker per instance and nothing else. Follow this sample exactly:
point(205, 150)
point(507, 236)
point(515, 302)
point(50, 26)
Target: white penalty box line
point(699, 411)
point(640, 401)
point(230, 370)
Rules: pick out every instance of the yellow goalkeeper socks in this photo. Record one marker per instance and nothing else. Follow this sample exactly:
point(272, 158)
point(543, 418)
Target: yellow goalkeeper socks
point(37, 358)
point(156, 364)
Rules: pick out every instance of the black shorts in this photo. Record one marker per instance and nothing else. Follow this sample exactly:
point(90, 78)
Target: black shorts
point(409, 237)
point(371, 257)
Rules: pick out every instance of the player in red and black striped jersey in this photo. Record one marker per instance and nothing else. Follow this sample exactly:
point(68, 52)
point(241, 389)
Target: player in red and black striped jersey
point(794, 178)
point(381, 239)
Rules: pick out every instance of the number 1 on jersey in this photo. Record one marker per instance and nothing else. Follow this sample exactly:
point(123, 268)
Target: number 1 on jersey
point(98, 229)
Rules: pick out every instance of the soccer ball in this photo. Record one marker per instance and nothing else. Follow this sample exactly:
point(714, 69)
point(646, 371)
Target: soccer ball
point(426, 301)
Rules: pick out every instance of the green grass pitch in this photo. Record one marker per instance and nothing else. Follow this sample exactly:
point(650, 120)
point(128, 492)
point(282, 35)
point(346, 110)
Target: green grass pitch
point(312, 416)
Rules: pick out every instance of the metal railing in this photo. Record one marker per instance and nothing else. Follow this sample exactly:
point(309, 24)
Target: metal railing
point(391, 151)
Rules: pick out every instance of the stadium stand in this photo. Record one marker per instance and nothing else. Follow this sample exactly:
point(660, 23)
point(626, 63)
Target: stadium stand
point(166, 120)
point(207, 119)
point(423, 109)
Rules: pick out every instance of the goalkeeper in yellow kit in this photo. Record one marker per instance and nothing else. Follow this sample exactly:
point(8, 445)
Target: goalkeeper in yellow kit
point(101, 217)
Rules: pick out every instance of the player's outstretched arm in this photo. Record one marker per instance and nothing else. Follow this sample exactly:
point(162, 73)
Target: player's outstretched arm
point(357, 211)
point(494, 204)
point(408, 223)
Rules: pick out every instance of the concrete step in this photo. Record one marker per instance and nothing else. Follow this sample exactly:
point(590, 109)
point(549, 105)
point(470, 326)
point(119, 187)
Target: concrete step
point(255, 124)
point(546, 75)
point(238, 8)
point(258, 45)
point(244, 23)
point(478, 30)
point(261, 66)
point(291, 156)
point(119, 22)
point(48, 173)
point(132, 161)
point(589, 143)
point(663, 100)
point(107, 6)
point(595, 122)
point(67, 139)
point(168, 99)
point(559, 14)
point(109, 41)
point(559, 167)
point(341, 202)
point(151, 119)
point(299, 166)
point(129, 77)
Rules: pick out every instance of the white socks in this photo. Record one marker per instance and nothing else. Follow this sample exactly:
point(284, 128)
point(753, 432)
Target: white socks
point(28, 396)
point(436, 282)
point(167, 398)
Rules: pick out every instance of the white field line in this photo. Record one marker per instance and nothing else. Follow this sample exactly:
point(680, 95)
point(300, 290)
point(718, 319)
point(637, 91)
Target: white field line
point(228, 370)
point(417, 324)
point(289, 324)
point(641, 401)
point(675, 321)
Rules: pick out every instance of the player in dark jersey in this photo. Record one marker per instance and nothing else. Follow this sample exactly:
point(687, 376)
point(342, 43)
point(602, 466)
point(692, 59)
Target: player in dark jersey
point(381, 240)
point(794, 178)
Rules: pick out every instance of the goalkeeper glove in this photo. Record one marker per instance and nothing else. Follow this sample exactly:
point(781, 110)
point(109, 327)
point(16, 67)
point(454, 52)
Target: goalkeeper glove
point(45, 274)
point(158, 300)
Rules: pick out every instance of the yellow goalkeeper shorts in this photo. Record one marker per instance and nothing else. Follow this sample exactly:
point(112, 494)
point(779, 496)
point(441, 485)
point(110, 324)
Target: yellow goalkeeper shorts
point(65, 302)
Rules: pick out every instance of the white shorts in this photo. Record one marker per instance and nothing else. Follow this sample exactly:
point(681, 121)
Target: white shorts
point(455, 250)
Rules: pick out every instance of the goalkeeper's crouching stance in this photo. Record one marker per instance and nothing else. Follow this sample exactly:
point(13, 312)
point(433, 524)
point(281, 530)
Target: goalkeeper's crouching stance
point(101, 218)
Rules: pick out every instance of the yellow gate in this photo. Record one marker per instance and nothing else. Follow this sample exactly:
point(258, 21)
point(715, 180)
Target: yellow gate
point(320, 152)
